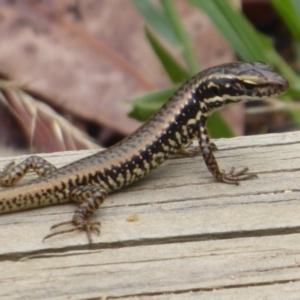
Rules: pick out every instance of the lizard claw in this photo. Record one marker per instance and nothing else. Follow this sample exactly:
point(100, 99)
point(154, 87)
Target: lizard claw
point(234, 177)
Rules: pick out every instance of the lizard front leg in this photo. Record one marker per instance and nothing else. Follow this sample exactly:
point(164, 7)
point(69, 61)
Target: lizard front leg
point(186, 152)
point(206, 149)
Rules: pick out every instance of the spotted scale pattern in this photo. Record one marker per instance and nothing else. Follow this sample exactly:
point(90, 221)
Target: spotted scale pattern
point(181, 119)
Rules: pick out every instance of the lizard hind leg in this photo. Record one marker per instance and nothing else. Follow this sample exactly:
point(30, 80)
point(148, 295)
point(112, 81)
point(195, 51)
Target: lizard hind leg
point(12, 173)
point(90, 197)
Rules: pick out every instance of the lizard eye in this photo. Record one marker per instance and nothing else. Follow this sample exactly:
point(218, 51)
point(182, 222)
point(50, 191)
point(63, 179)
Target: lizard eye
point(216, 91)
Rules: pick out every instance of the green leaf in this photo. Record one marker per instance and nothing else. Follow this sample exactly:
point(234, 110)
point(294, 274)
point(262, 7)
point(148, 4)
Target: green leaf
point(217, 127)
point(166, 22)
point(156, 18)
point(292, 93)
point(175, 71)
point(237, 30)
point(296, 7)
point(286, 10)
point(146, 105)
point(185, 42)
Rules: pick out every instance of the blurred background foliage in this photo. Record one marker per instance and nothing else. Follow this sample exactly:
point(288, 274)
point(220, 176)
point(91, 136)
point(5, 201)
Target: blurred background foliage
point(164, 26)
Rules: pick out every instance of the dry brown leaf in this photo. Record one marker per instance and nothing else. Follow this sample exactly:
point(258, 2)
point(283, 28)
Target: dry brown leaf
point(41, 122)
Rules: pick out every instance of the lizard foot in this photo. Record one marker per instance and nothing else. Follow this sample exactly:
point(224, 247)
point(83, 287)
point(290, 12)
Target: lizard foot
point(86, 226)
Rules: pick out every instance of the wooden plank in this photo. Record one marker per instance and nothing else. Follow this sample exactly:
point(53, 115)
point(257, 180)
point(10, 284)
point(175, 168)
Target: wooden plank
point(194, 237)
point(156, 269)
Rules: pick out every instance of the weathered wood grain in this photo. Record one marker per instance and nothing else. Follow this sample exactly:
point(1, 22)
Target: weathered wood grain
point(194, 238)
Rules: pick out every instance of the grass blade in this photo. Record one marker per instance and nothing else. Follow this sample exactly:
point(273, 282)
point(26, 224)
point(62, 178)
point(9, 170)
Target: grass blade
point(176, 72)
